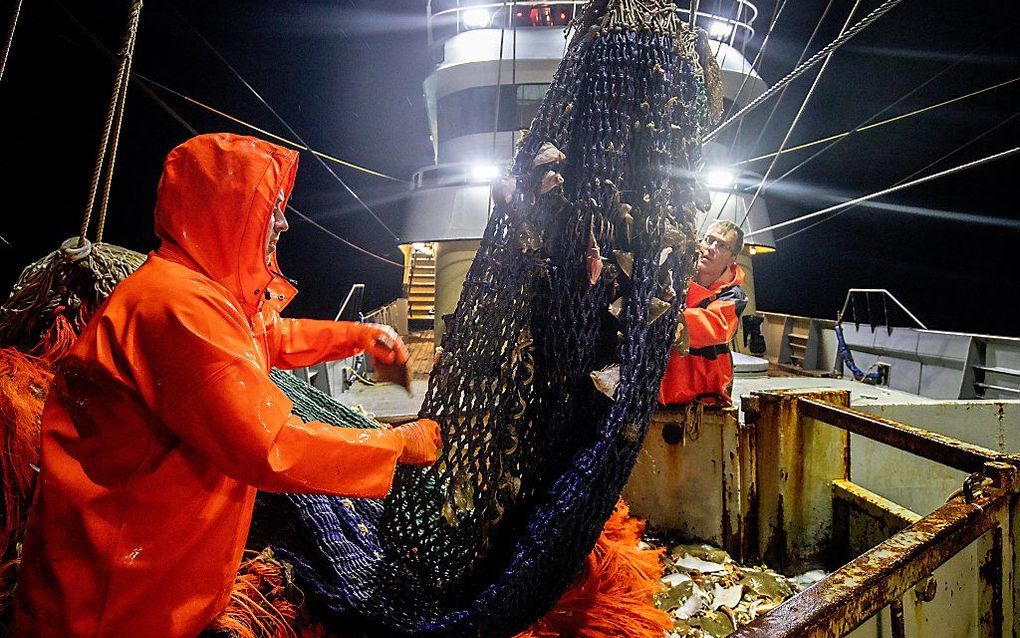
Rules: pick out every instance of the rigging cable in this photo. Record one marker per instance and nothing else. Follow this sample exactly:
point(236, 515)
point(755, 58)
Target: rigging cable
point(911, 176)
point(758, 58)
point(499, 80)
point(261, 131)
point(772, 113)
point(796, 118)
point(170, 110)
point(755, 68)
point(891, 189)
point(862, 127)
point(346, 242)
point(290, 129)
point(865, 22)
point(905, 96)
point(10, 37)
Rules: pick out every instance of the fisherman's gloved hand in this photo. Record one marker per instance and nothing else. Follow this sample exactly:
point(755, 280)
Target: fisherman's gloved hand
point(421, 442)
point(380, 342)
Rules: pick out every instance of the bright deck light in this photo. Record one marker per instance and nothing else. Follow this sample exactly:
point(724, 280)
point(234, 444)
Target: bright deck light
point(476, 18)
point(719, 177)
point(483, 172)
point(720, 30)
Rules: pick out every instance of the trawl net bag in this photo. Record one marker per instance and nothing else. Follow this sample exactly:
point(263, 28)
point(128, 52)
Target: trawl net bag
point(550, 368)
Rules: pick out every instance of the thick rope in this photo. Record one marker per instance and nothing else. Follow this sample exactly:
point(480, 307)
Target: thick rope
point(170, 111)
point(884, 8)
point(10, 38)
point(796, 118)
point(891, 189)
point(136, 10)
point(120, 79)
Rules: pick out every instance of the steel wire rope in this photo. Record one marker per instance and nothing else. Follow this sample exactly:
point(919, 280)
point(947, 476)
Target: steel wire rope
point(911, 176)
point(755, 67)
point(499, 80)
point(3, 62)
point(796, 118)
point(10, 37)
point(262, 131)
point(184, 123)
point(905, 96)
point(891, 189)
point(868, 127)
point(289, 128)
point(864, 23)
point(772, 113)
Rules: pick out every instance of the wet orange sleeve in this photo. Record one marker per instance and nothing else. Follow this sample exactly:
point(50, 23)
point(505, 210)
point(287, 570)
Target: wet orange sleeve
point(296, 343)
point(198, 366)
point(713, 325)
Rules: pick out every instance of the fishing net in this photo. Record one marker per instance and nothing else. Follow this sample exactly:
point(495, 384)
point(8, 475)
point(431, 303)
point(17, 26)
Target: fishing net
point(551, 364)
point(54, 297)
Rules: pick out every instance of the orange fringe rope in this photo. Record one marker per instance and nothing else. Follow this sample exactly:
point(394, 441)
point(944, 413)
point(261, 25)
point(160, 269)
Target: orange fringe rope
point(264, 602)
point(613, 597)
point(24, 383)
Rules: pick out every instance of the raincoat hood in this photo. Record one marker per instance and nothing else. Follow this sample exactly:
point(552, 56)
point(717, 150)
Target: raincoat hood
point(213, 207)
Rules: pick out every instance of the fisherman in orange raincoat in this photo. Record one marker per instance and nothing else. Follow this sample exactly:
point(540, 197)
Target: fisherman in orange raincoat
point(714, 305)
point(162, 421)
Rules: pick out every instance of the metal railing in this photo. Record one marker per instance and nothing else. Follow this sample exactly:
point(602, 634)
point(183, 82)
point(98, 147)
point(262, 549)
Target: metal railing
point(851, 303)
point(881, 576)
point(501, 16)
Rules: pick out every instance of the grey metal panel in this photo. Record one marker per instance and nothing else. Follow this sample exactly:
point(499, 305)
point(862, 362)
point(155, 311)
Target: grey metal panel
point(445, 213)
point(943, 346)
point(941, 382)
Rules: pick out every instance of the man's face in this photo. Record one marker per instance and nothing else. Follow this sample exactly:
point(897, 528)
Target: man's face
point(717, 253)
point(277, 226)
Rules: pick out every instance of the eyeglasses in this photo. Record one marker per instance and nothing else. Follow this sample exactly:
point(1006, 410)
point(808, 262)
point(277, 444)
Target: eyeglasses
point(714, 240)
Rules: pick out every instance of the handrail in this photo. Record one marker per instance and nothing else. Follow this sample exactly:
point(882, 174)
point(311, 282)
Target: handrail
point(846, 598)
point(942, 449)
point(736, 24)
point(886, 293)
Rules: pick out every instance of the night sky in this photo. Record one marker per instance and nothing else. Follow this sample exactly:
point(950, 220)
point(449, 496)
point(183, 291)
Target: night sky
point(347, 76)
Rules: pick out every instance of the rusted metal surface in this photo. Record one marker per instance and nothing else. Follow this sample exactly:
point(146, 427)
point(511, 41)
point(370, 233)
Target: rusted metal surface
point(863, 519)
point(846, 598)
point(929, 445)
point(898, 628)
point(797, 458)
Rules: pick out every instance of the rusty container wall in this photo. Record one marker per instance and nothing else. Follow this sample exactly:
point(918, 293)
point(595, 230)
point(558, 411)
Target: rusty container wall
point(688, 478)
point(796, 461)
point(919, 484)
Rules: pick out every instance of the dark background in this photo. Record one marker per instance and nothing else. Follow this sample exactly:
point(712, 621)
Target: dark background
point(347, 75)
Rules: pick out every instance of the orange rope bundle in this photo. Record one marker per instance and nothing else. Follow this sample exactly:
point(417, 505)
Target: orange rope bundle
point(613, 597)
point(24, 381)
point(264, 602)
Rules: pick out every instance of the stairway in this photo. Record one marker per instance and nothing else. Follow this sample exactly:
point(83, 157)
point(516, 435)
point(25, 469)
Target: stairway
point(421, 287)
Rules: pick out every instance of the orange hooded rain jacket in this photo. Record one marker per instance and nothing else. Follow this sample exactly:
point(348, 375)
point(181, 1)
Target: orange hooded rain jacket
point(711, 318)
point(162, 421)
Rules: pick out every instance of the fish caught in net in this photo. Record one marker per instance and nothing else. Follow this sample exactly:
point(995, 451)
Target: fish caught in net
point(550, 367)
